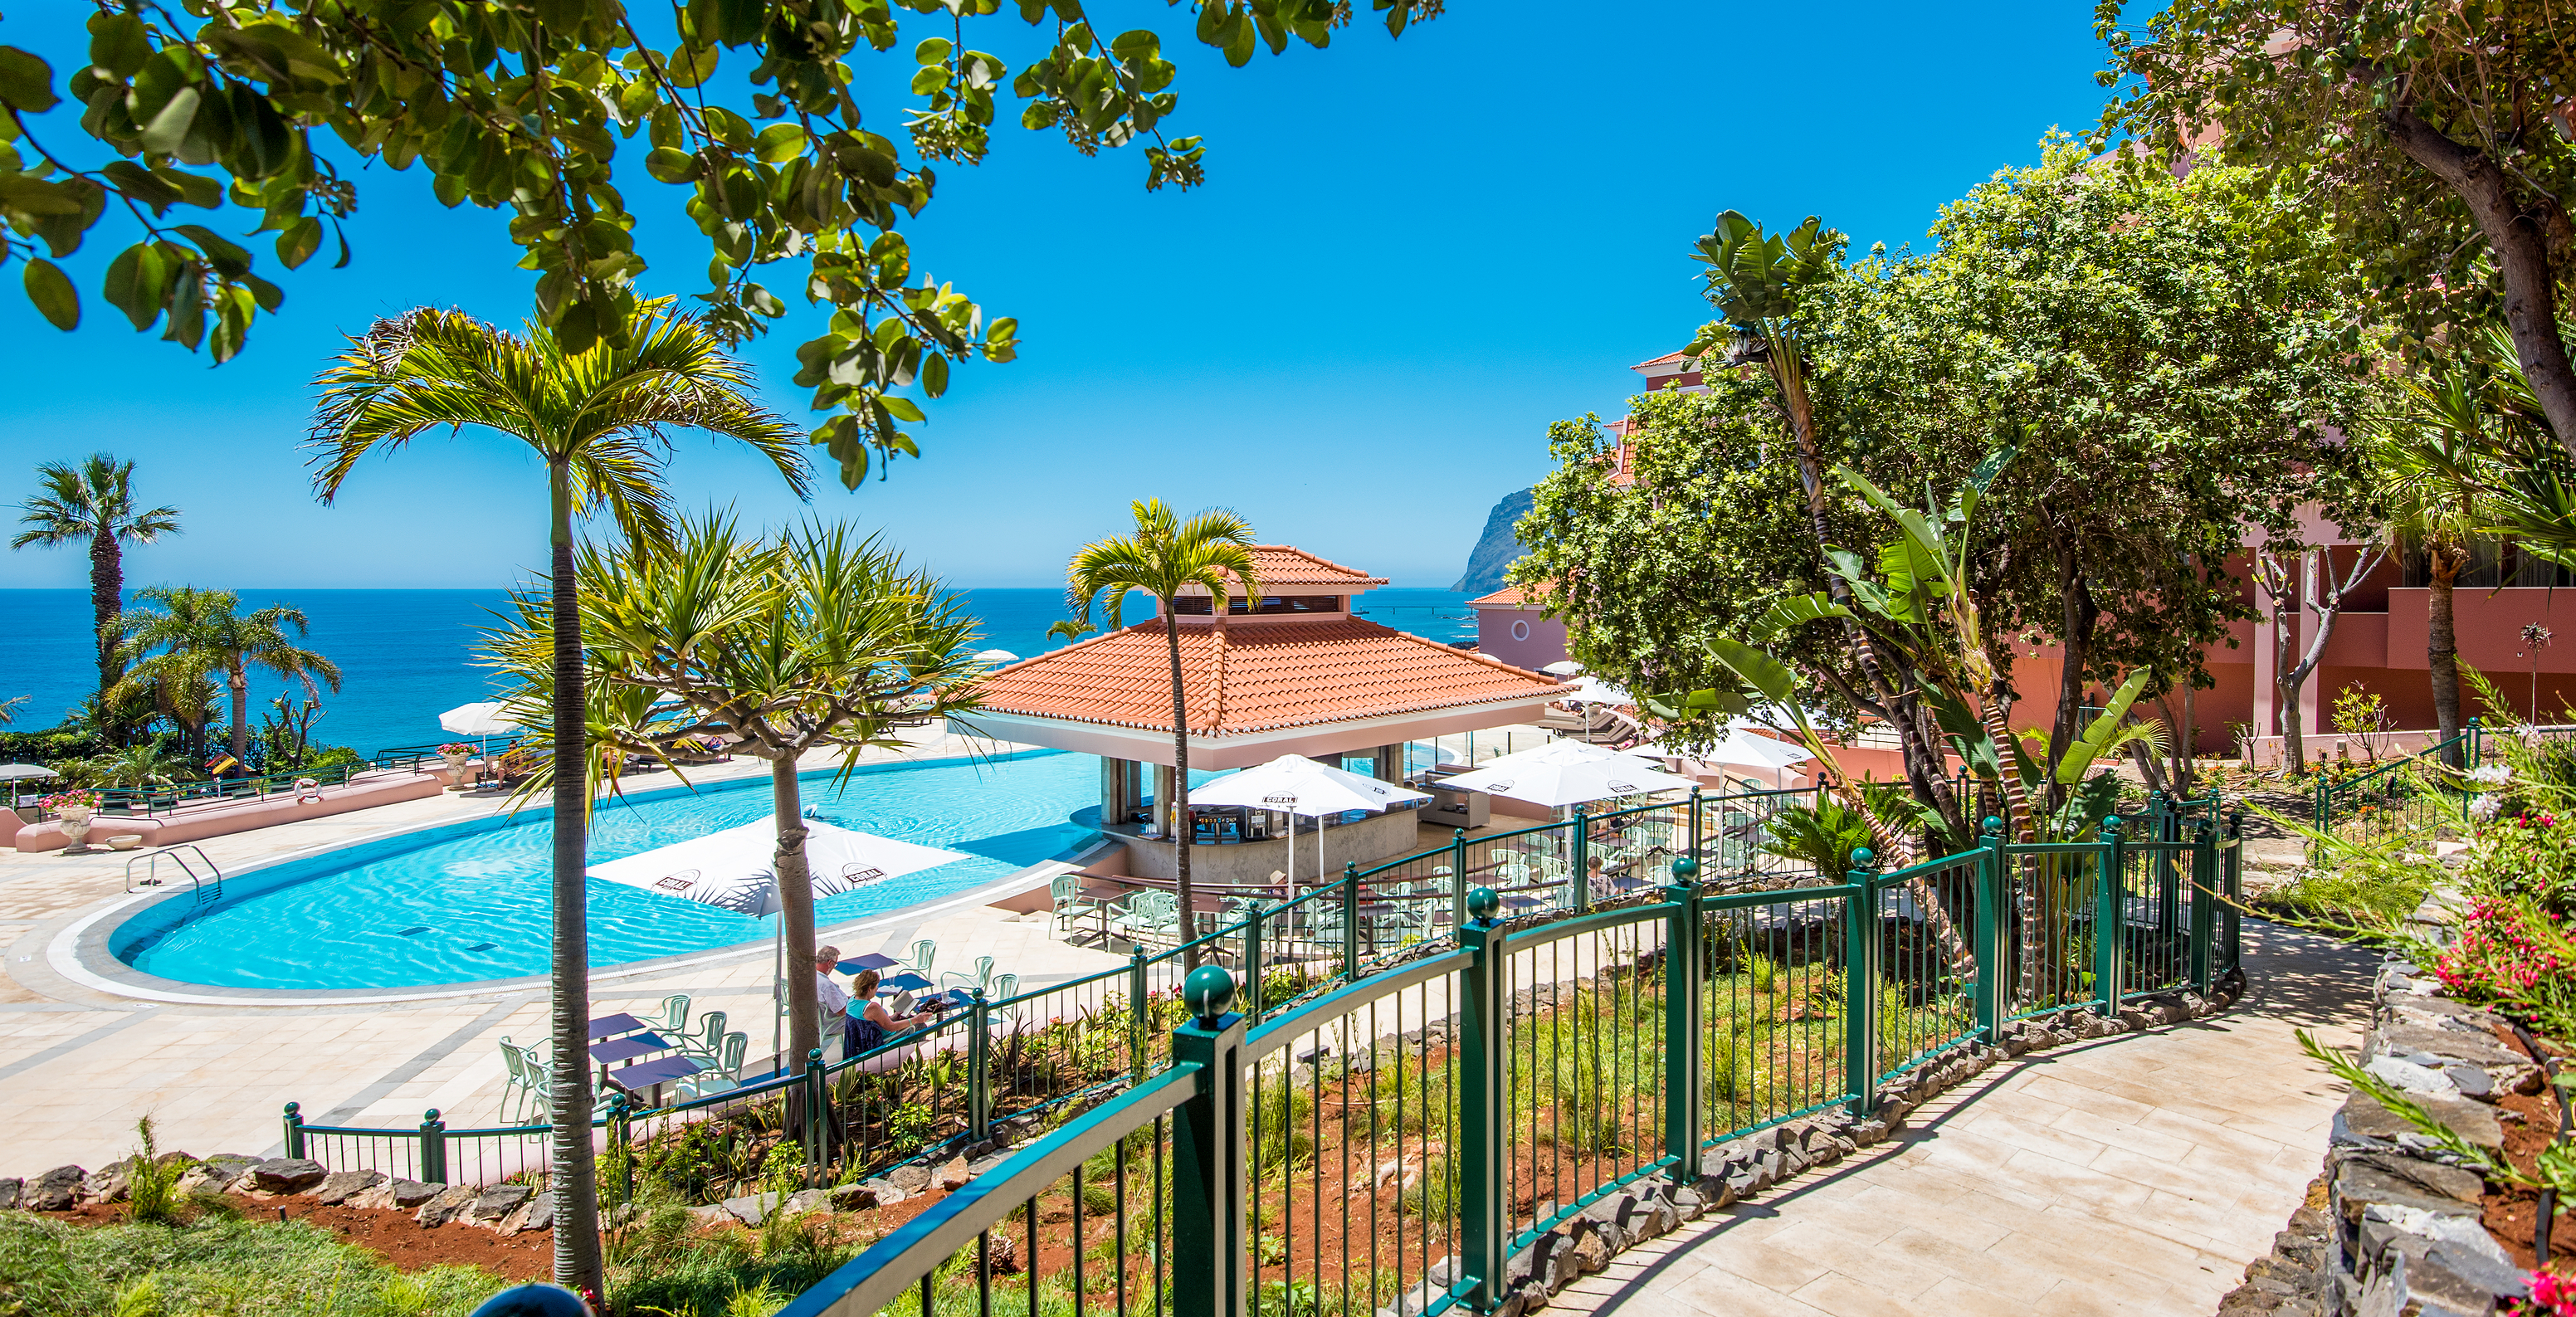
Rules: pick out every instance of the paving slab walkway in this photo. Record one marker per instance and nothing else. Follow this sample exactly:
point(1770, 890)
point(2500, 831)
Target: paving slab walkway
point(2133, 1175)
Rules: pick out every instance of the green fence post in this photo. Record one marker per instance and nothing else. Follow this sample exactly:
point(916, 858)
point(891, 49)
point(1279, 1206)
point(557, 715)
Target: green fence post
point(1860, 986)
point(294, 1129)
point(2110, 920)
point(2232, 862)
point(620, 1115)
point(2204, 881)
point(979, 1067)
point(1581, 877)
point(1252, 959)
point(1207, 1262)
point(2168, 881)
point(818, 1152)
point(2477, 745)
point(433, 1148)
point(1457, 879)
point(1351, 923)
point(1682, 977)
point(1697, 861)
point(1140, 1023)
point(1484, 1244)
point(1989, 946)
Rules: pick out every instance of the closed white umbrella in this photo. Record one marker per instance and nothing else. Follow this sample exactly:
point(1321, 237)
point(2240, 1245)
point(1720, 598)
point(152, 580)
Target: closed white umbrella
point(736, 870)
point(1295, 784)
point(1568, 773)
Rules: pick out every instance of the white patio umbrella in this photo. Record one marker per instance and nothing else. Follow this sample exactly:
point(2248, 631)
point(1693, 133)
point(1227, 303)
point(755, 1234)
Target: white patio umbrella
point(1593, 690)
point(1567, 773)
point(13, 774)
point(482, 720)
point(1563, 668)
point(994, 658)
point(735, 870)
point(1295, 784)
point(1742, 748)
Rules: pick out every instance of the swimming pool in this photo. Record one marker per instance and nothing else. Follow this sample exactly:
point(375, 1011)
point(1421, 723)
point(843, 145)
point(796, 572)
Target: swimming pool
point(468, 901)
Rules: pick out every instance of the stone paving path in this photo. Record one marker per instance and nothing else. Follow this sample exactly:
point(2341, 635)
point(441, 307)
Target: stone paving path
point(2134, 1175)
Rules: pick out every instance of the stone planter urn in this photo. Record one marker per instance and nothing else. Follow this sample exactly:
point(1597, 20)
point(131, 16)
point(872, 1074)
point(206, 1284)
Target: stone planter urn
point(75, 820)
point(457, 779)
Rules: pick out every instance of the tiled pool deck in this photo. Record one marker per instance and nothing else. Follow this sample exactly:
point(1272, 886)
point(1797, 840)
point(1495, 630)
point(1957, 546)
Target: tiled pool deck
point(79, 1066)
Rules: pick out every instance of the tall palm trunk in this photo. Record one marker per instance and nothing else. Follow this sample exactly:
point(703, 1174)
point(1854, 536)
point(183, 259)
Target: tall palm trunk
point(796, 911)
point(1177, 810)
point(237, 679)
point(2441, 644)
point(575, 1183)
point(106, 600)
point(2034, 905)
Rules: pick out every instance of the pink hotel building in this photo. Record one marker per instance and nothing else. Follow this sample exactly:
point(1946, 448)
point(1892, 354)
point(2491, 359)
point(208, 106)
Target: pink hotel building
point(2378, 642)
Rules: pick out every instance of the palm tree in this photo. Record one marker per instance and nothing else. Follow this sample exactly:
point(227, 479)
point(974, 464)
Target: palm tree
point(1213, 551)
point(178, 680)
point(94, 501)
point(136, 766)
point(207, 628)
point(2431, 457)
point(599, 419)
point(823, 640)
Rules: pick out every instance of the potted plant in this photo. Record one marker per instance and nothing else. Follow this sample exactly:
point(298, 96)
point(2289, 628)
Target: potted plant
point(456, 753)
point(74, 807)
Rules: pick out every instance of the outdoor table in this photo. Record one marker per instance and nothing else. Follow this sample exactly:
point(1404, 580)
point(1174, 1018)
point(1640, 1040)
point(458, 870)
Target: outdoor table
point(652, 1075)
point(904, 982)
point(872, 960)
point(628, 1048)
point(609, 1026)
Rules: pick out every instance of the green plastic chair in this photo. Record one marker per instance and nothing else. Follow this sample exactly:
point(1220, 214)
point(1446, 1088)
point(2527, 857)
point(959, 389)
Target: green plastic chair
point(922, 952)
point(675, 1014)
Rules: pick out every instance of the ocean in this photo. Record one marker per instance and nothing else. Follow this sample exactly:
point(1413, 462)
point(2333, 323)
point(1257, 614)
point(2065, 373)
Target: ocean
point(405, 656)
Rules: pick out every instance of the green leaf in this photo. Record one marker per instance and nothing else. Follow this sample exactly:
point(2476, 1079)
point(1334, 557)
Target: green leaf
point(169, 128)
point(1765, 674)
point(1796, 610)
point(137, 283)
point(118, 43)
point(299, 240)
point(141, 184)
point(2080, 756)
point(779, 143)
point(26, 82)
point(221, 253)
point(52, 293)
point(904, 409)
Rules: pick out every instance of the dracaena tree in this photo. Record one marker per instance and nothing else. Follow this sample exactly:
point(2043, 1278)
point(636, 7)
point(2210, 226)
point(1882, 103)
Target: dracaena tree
point(795, 135)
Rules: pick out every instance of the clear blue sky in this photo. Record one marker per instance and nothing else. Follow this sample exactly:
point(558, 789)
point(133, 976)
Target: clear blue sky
point(1410, 257)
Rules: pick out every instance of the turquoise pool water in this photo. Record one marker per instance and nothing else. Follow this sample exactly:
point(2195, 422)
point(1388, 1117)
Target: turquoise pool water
point(468, 901)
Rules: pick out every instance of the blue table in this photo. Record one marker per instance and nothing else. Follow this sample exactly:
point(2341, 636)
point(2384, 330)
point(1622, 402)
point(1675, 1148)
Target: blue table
point(904, 982)
point(652, 1075)
point(629, 1047)
point(609, 1026)
point(872, 960)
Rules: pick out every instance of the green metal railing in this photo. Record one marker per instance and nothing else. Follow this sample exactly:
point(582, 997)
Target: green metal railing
point(150, 802)
point(2408, 793)
point(1397, 1138)
point(1364, 1100)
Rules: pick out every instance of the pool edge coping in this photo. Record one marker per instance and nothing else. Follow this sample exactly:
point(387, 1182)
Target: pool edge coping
point(79, 952)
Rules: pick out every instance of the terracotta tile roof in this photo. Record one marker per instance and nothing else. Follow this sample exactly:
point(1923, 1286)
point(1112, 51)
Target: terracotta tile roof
point(1285, 565)
point(1509, 595)
point(1668, 358)
point(1268, 675)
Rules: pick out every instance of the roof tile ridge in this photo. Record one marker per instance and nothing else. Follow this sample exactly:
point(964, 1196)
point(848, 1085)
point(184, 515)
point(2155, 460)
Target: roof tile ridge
point(1475, 655)
point(1320, 560)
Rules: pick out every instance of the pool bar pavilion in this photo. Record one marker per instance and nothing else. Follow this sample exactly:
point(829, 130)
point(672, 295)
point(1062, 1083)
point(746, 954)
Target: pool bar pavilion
point(1293, 673)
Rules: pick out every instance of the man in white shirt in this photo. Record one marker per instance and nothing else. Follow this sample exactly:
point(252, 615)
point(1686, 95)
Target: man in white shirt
point(830, 1000)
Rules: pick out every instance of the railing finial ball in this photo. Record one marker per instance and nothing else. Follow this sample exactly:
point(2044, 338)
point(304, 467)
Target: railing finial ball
point(1864, 858)
point(1685, 870)
point(1483, 903)
point(1993, 826)
point(1207, 992)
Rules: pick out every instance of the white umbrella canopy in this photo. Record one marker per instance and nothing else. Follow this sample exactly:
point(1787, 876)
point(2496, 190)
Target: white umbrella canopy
point(1298, 785)
point(1560, 752)
point(482, 718)
point(1568, 776)
point(1311, 789)
point(994, 658)
point(1563, 668)
point(1593, 690)
point(1741, 749)
point(25, 772)
point(733, 869)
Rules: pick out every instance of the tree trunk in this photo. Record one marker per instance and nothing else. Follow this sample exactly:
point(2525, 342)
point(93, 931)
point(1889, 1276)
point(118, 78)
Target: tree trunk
point(2519, 240)
point(1176, 811)
point(2441, 645)
point(106, 600)
point(575, 1183)
point(238, 682)
point(2077, 616)
point(796, 912)
point(2294, 758)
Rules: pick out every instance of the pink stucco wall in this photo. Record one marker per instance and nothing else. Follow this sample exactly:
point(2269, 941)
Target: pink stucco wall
point(1539, 642)
point(223, 820)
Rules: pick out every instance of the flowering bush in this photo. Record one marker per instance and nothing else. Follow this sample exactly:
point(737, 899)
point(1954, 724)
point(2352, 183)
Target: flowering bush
point(2496, 955)
point(2527, 856)
point(76, 798)
point(457, 748)
point(2552, 1295)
